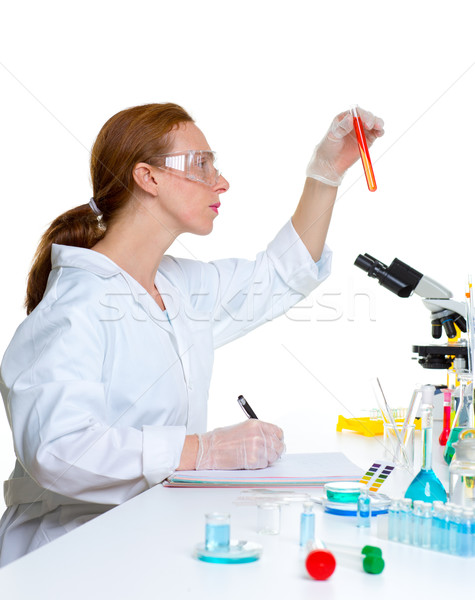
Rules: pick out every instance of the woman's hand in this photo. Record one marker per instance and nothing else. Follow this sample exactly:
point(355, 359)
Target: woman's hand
point(249, 445)
point(338, 150)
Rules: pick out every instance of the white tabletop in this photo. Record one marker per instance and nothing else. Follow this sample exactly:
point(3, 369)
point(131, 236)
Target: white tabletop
point(143, 549)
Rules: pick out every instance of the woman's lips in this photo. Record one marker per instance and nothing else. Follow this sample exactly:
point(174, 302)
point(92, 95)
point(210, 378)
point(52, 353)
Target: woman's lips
point(215, 207)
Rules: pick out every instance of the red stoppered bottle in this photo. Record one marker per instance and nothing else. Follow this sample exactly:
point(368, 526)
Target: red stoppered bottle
point(364, 152)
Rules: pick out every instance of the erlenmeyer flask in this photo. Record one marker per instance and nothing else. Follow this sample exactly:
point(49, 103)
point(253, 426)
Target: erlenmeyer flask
point(426, 485)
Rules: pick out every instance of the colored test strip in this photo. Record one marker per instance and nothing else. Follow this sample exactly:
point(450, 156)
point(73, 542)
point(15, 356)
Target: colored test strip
point(376, 475)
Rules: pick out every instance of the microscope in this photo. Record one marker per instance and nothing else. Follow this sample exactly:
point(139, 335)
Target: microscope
point(446, 313)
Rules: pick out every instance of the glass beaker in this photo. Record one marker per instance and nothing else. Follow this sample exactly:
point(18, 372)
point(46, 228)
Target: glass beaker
point(217, 531)
point(392, 448)
point(462, 471)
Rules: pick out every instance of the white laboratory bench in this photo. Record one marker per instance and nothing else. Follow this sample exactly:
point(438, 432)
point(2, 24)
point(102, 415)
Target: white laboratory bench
point(143, 549)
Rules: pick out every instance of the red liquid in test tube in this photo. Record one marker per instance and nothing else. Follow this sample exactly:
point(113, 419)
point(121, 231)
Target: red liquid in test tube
point(444, 436)
point(364, 153)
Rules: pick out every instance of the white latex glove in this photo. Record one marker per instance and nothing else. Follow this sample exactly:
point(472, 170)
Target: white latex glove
point(338, 150)
point(249, 445)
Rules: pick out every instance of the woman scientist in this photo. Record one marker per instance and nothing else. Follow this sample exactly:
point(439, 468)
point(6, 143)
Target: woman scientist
point(106, 381)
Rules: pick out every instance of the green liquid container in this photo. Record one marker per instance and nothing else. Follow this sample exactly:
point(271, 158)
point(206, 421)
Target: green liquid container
point(449, 448)
point(464, 418)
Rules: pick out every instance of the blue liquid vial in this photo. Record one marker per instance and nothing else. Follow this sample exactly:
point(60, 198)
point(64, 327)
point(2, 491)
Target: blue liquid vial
point(454, 523)
point(307, 524)
point(364, 509)
point(444, 529)
point(405, 524)
point(438, 524)
point(426, 525)
point(217, 531)
point(393, 520)
point(464, 538)
point(416, 538)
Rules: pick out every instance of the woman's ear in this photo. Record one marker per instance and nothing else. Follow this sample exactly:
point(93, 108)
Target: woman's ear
point(145, 179)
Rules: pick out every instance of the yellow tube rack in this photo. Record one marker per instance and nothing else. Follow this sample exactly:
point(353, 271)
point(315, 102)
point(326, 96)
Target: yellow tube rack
point(367, 426)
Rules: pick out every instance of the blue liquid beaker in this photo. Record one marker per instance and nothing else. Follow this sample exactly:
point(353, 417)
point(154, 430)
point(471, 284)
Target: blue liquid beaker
point(217, 531)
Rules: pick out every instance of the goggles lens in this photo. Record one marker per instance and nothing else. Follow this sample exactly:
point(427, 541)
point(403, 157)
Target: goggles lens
point(196, 165)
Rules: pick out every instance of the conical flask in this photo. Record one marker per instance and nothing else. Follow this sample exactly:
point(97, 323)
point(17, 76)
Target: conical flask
point(463, 417)
point(426, 485)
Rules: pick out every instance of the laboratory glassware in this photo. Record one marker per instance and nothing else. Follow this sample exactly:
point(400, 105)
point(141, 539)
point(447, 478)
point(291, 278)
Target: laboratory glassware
point(462, 470)
point(444, 435)
point(363, 148)
point(426, 485)
point(464, 416)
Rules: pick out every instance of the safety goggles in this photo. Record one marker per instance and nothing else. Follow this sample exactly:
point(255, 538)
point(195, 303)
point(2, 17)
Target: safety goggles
point(195, 165)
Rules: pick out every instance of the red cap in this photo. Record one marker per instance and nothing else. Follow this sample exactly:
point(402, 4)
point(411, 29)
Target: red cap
point(320, 564)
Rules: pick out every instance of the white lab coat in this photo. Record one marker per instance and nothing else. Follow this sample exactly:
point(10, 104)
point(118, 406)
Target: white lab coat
point(100, 387)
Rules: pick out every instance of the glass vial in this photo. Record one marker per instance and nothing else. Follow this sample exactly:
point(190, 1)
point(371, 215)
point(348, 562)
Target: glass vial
point(307, 524)
point(364, 509)
point(268, 518)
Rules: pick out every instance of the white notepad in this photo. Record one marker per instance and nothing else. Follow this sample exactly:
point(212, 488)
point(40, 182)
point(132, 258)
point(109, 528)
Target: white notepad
point(292, 470)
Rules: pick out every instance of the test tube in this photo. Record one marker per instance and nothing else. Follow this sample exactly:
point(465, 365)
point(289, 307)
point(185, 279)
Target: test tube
point(319, 562)
point(369, 563)
point(307, 524)
point(444, 435)
point(363, 148)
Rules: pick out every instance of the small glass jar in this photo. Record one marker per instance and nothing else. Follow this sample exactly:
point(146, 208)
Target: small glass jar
point(217, 531)
point(268, 518)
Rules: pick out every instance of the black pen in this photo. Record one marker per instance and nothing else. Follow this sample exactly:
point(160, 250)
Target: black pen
point(250, 414)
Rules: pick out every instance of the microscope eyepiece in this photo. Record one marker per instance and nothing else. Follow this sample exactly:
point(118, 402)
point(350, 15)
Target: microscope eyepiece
point(399, 278)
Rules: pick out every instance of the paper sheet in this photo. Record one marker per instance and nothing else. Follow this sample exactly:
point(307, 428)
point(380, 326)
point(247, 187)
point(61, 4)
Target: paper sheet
point(290, 470)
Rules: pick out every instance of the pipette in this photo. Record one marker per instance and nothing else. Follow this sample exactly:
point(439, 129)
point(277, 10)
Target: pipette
point(363, 148)
point(410, 414)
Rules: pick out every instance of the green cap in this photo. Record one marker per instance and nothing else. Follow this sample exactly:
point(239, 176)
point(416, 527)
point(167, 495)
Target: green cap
point(373, 565)
point(372, 551)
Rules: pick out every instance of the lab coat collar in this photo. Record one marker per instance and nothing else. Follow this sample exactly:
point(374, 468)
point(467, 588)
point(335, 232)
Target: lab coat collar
point(83, 258)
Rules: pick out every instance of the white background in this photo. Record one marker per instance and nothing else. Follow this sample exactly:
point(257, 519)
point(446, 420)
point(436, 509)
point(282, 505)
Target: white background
point(263, 80)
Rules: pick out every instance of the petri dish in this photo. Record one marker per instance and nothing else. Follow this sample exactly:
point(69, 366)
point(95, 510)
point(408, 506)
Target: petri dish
point(238, 552)
point(343, 491)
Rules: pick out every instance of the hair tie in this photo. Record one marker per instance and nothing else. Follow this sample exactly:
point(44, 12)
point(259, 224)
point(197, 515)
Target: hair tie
point(95, 209)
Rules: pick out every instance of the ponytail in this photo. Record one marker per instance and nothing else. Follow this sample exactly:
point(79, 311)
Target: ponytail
point(129, 137)
point(77, 227)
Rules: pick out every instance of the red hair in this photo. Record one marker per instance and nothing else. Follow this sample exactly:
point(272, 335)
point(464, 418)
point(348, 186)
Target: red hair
point(129, 137)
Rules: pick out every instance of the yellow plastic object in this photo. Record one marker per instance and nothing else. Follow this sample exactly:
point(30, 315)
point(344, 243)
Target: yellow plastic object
point(367, 426)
